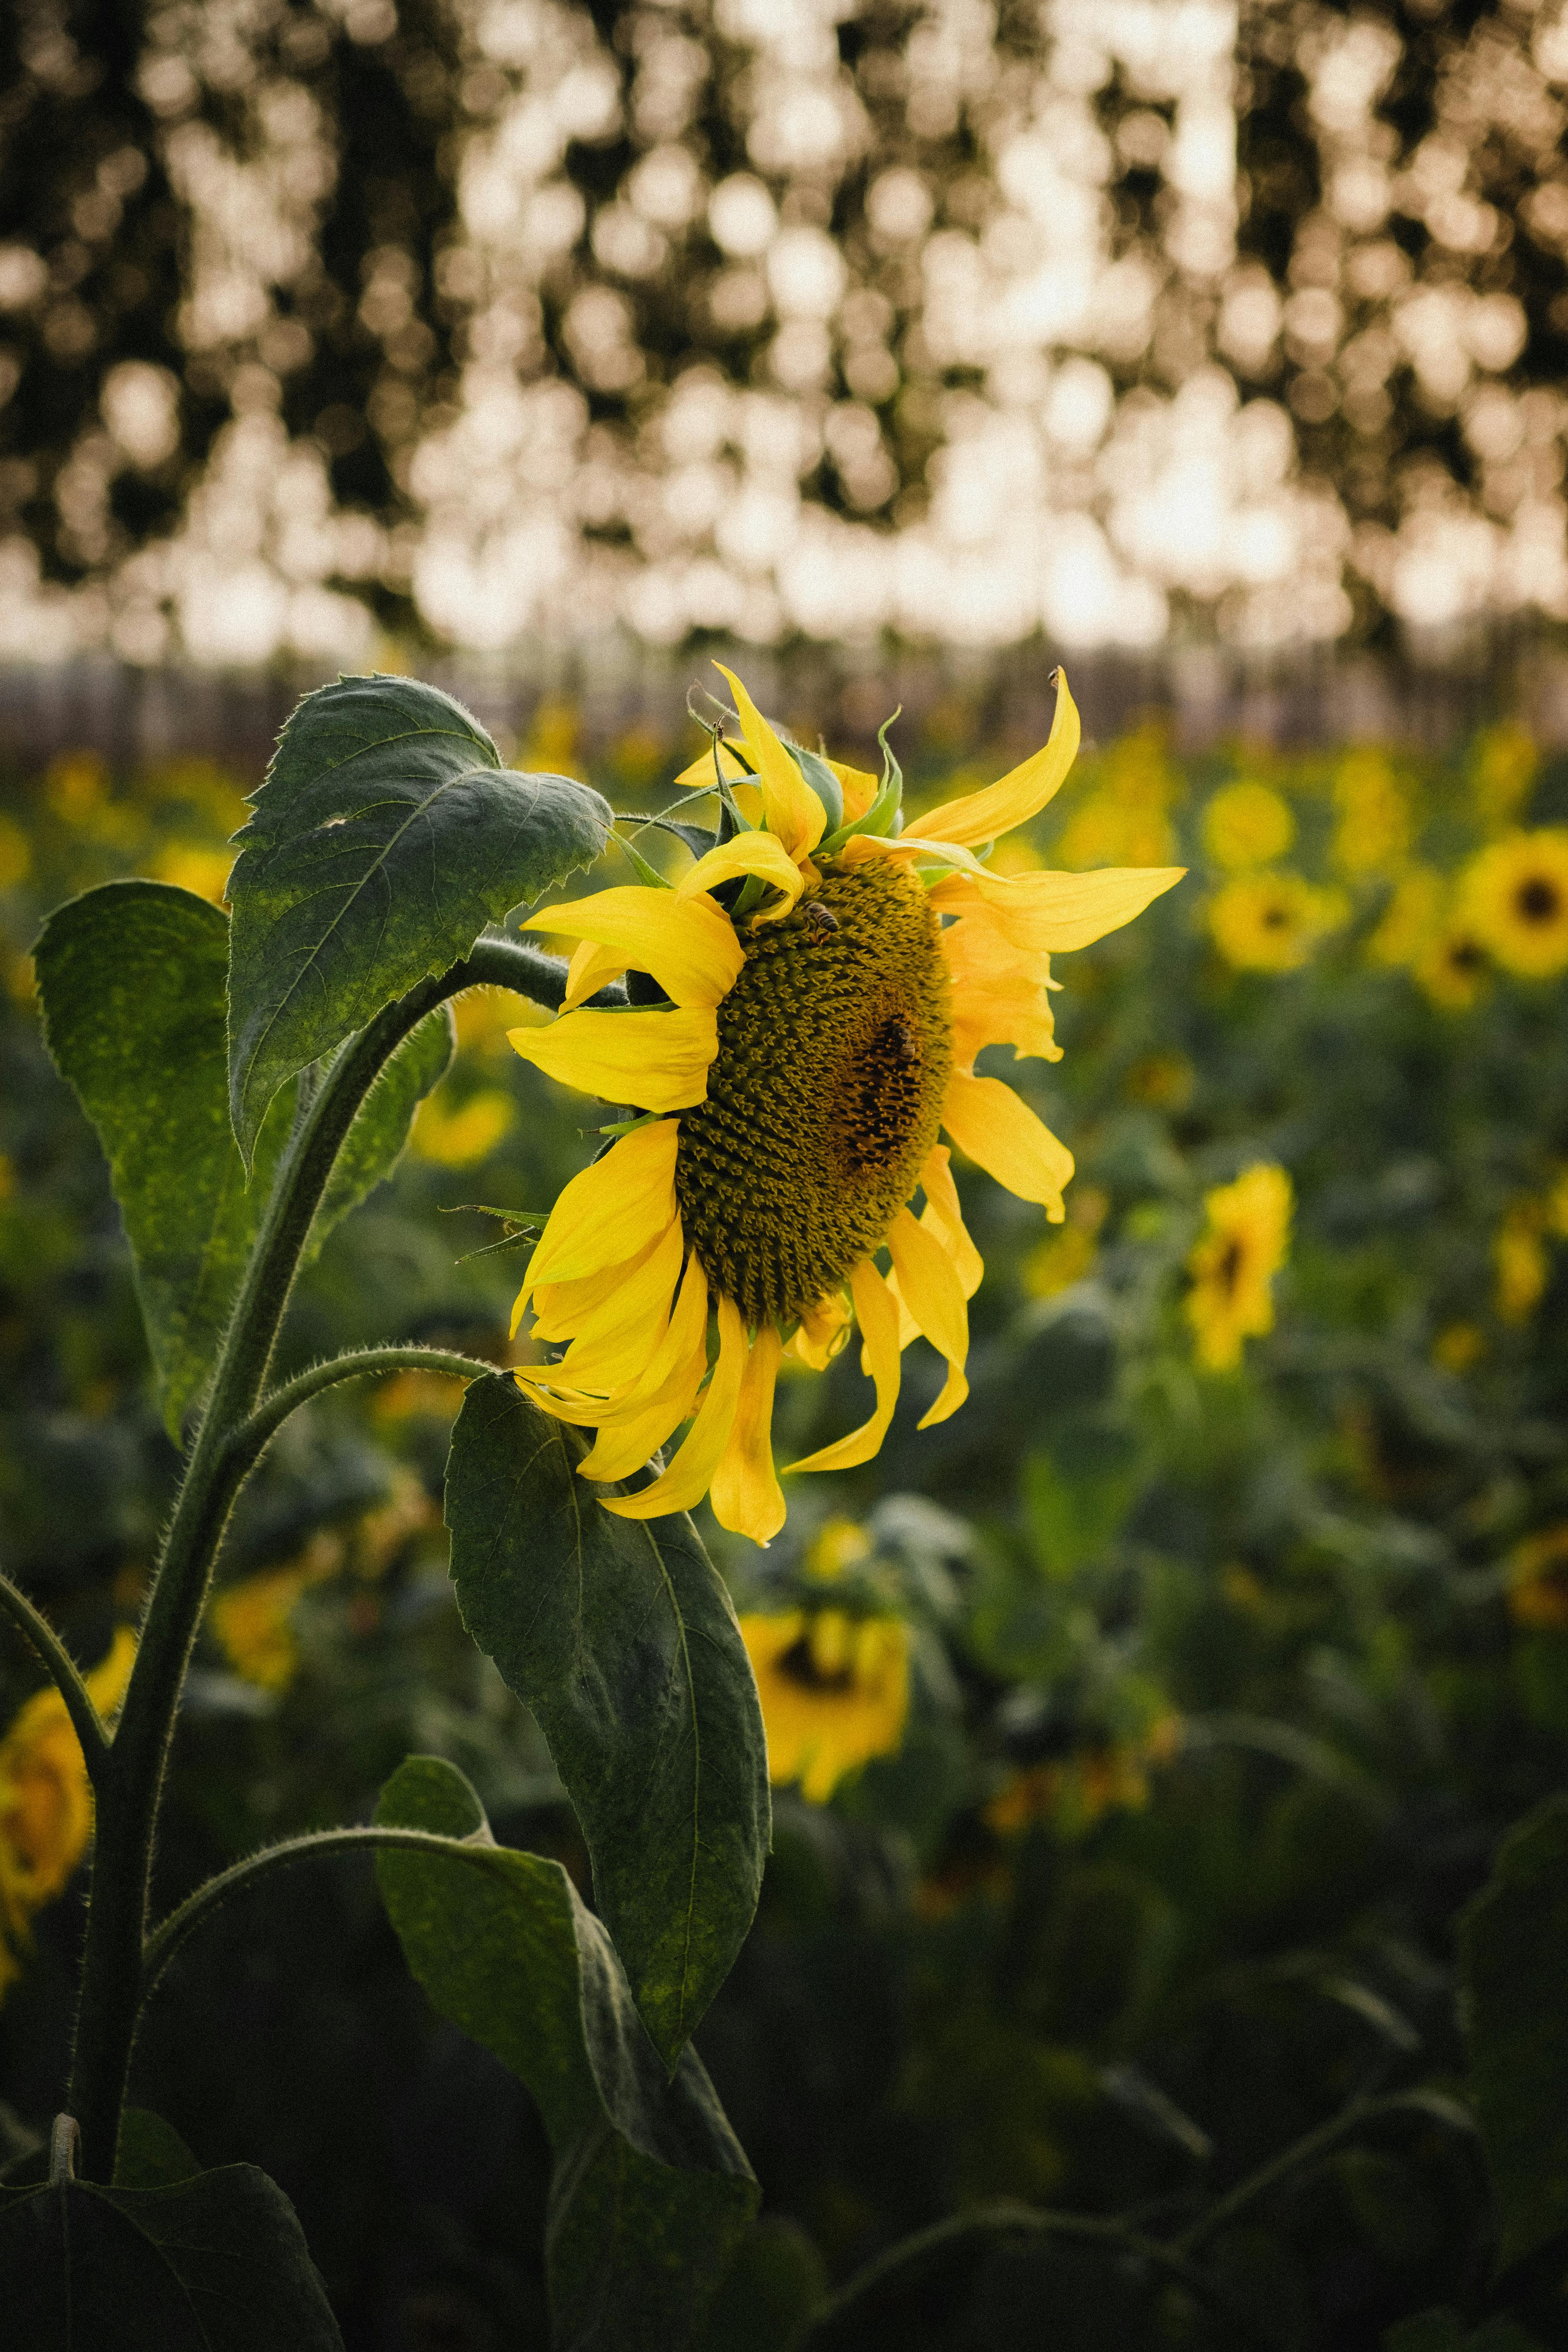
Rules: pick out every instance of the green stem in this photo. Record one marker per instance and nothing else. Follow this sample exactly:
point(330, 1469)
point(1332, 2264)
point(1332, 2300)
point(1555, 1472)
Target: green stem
point(132, 1784)
point(842, 2319)
point(363, 1363)
point(170, 1933)
point(1313, 2145)
point(85, 1717)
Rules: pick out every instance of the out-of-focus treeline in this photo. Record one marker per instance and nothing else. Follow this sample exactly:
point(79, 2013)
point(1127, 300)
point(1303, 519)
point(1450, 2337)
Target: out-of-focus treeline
point(507, 318)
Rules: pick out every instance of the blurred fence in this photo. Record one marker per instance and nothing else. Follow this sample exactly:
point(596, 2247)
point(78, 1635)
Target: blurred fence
point(616, 689)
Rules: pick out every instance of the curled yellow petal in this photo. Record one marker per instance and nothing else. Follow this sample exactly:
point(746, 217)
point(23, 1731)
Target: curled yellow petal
point(1053, 913)
point(611, 1211)
point(824, 1329)
point(879, 1312)
point(792, 809)
point(746, 1496)
point(859, 787)
point(700, 771)
point(592, 967)
point(985, 815)
point(614, 1343)
point(929, 1288)
point(643, 1418)
point(690, 1473)
point(1003, 1136)
point(761, 854)
point(945, 1212)
point(688, 944)
point(658, 1059)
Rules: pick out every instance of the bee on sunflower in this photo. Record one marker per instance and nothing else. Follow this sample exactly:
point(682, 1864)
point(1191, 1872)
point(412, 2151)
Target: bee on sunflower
point(809, 1002)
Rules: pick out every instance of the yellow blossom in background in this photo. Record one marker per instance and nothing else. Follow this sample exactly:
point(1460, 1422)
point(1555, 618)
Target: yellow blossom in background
point(1503, 770)
point(1247, 825)
point(75, 784)
point(1519, 1262)
point(1453, 968)
point(46, 1801)
point(192, 866)
point(1272, 922)
point(16, 856)
point(1074, 1792)
point(1375, 825)
point(1514, 896)
point(834, 1692)
point(483, 1018)
point(639, 753)
point(1125, 820)
point(1412, 919)
point(1242, 1248)
point(1062, 1258)
point(461, 1135)
point(552, 739)
point(251, 1621)
point(1458, 1345)
point(409, 1393)
point(838, 1544)
point(1166, 1080)
point(1538, 1581)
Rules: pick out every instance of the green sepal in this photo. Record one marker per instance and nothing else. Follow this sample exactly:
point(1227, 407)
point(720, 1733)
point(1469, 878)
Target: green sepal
point(647, 875)
point(884, 818)
point(620, 1636)
point(215, 2263)
point(823, 782)
point(650, 2195)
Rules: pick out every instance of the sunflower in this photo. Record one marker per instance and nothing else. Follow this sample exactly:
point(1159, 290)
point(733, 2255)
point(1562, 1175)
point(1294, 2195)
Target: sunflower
point(834, 1692)
point(1271, 922)
point(46, 1802)
point(1538, 1581)
point(1453, 968)
point(1515, 895)
point(1240, 1251)
point(807, 1003)
point(1247, 825)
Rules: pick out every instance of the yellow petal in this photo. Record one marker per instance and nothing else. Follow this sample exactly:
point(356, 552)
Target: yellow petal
point(615, 1342)
point(944, 1210)
point(879, 1313)
point(746, 1496)
point(700, 771)
point(999, 993)
point(560, 1308)
point(1003, 1136)
point(792, 809)
point(748, 852)
point(663, 1398)
point(690, 947)
point(591, 967)
point(658, 1059)
point(690, 1473)
point(612, 1210)
point(823, 1330)
point(929, 1288)
point(859, 789)
point(1045, 913)
point(986, 816)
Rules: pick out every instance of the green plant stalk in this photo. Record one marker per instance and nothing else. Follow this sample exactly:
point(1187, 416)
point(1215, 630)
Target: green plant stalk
point(85, 1720)
point(130, 1789)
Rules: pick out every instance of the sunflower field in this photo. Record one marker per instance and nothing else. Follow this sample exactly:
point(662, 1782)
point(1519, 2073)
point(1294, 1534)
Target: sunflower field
point(1164, 1933)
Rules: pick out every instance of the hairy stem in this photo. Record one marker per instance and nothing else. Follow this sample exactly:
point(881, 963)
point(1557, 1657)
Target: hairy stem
point(166, 1939)
point(248, 1440)
point(132, 1782)
point(1429, 2106)
point(86, 1721)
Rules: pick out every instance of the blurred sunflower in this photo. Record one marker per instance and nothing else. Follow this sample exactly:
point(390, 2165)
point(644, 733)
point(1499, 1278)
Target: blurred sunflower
point(46, 1802)
point(1521, 1262)
point(1241, 1249)
point(817, 987)
point(834, 1692)
point(1515, 897)
point(1538, 1581)
point(1375, 821)
point(1412, 919)
point(1271, 922)
point(1247, 825)
point(1452, 968)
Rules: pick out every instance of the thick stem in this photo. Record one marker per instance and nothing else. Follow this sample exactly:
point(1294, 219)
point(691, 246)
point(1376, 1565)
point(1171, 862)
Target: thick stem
point(132, 1785)
point(85, 1720)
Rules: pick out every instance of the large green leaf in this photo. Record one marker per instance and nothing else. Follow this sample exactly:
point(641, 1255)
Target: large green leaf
point(132, 980)
point(620, 1636)
point(1514, 1946)
point(651, 2194)
point(216, 2264)
point(386, 837)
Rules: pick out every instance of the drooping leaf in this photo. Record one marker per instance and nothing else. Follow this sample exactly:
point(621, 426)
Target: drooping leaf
point(215, 2264)
point(385, 838)
point(1514, 1948)
point(150, 2155)
point(620, 1636)
point(650, 2195)
point(132, 980)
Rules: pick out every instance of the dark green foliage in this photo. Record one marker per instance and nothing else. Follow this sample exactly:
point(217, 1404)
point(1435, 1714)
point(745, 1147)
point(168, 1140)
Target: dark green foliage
point(650, 2194)
point(1516, 1983)
point(215, 2264)
point(131, 978)
point(621, 1638)
point(386, 837)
